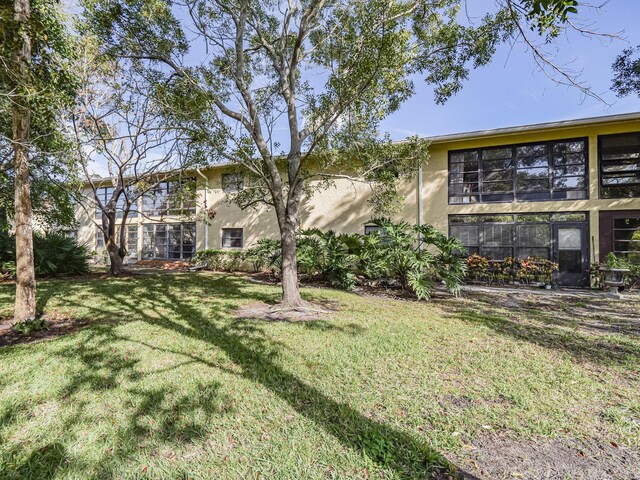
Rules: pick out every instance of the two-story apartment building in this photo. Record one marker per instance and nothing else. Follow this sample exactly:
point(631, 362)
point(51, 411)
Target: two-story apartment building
point(568, 191)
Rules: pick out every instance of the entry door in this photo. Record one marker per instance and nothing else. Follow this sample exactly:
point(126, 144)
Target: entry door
point(571, 253)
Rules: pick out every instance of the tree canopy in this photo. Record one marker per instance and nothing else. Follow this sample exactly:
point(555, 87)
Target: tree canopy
point(626, 68)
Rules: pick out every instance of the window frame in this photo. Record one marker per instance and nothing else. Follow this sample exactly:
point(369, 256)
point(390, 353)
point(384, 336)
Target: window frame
point(104, 196)
point(601, 163)
point(515, 246)
point(168, 227)
point(239, 184)
point(515, 195)
point(171, 207)
point(229, 229)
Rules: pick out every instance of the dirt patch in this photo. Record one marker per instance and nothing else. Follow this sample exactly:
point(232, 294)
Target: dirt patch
point(166, 265)
point(56, 326)
point(277, 313)
point(502, 457)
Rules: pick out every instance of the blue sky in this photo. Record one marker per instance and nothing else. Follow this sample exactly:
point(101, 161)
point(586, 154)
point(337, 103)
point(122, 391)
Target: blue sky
point(510, 91)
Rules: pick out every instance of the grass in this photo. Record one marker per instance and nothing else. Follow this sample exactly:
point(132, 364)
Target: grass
point(165, 382)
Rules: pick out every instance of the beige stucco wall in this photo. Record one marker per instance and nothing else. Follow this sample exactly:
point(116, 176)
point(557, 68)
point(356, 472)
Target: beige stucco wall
point(344, 206)
point(435, 180)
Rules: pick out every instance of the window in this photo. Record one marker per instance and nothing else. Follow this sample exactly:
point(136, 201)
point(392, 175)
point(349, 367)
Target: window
point(132, 241)
point(619, 165)
point(173, 241)
point(626, 238)
point(232, 182)
point(369, 229)
point(169, 198)
point(72, 234)
point(99, 239)
point(529, 172)
point(104, 195)
point(232, 238)
point(500, 236)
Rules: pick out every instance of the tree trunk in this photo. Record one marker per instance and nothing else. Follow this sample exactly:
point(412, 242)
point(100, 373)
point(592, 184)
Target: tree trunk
point(290, 288)
point(25, 307)
point(116, 260)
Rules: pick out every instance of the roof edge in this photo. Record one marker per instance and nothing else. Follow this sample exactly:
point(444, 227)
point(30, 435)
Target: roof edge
point(497, 132)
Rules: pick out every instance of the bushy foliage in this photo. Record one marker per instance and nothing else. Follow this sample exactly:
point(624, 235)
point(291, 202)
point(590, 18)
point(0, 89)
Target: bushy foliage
point(227, 260)
point(414, 255)
point(332, 255)
point(597, 271)
point(525, 270)
point(54, 255)
point(266, 255)
point(411, 256)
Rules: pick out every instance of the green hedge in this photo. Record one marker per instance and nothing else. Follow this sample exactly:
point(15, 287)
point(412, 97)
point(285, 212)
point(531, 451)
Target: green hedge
point(227, 260)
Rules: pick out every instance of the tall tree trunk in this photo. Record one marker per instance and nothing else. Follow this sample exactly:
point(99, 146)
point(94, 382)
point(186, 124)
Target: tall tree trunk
point(290, 288)
point(25, 308)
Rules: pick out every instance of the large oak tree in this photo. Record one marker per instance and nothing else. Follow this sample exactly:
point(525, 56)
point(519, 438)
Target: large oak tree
point(324, 71)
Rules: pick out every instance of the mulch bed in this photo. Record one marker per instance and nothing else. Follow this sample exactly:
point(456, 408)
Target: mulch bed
point(166, 265)
point(56, 327)
point(277, 313)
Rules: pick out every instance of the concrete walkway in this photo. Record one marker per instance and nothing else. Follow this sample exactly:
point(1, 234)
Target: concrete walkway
point(572, 292)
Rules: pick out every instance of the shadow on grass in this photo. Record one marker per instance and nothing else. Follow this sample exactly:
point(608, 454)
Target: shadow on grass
point(168, 302)
point(556, 331)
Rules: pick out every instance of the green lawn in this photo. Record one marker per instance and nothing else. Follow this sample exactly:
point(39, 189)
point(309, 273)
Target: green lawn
point(165, 382)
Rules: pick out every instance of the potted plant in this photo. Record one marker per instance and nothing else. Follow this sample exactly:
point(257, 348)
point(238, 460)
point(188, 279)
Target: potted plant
point(614, 274)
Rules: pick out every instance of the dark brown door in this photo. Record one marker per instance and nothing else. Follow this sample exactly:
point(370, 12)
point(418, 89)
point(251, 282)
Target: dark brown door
point(571, 252)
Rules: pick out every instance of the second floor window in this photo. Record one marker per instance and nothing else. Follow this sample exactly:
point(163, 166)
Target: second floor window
point(529, 172)
point(168, 198)
point(619, 165)
point(232, 182)
point(104, 194)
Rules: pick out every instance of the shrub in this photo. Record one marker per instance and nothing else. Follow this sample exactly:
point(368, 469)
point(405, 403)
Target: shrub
point(414, 256)
point(226, 260)
point(526, 270)
point(266, 254)
point(329, 254)
point(54, 255)
point(478, 267)
point(27, 327)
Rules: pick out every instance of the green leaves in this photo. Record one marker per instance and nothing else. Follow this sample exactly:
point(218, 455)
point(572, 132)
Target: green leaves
point(626, 68)
point(54, 255)
point(547, 17)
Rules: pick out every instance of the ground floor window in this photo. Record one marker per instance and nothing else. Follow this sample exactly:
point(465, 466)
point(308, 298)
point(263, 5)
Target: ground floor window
point(131, 240)
point(174, 241)
point(514, 235)
point(620, 234)
point(232, 238)
point(99, 239)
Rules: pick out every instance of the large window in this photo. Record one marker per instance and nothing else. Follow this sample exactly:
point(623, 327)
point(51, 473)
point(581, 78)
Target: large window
point(500, 236)
point(169, 198)
point(529, 172)
point(173, 241)
point(104, 195)
point(619, 165)
point(232, 238)
point(131, 240)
